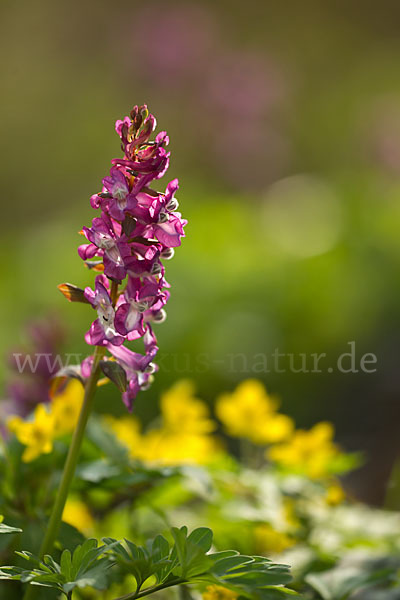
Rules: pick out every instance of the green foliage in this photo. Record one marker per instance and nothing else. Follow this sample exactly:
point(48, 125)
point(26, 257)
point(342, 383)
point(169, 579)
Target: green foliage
point(159, 564)
point(7, 529)
point(87, 566)
point(188, 561)
point(341, 582)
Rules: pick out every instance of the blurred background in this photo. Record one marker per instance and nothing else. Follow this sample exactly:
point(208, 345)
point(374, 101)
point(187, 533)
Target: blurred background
point(285, 134)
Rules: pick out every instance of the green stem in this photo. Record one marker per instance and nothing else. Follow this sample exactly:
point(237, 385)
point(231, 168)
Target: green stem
point(73, 453)
point(70, 464)
point(151, 590)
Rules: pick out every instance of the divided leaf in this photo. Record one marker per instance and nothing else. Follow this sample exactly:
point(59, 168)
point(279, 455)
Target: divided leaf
point(85, 567)
point(187, 561)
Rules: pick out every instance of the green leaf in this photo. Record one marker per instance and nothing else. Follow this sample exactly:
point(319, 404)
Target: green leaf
point(160, 551)
point(97, 471)
point(179, 551)
point(69, 537)
point(6, 529)
point(201, 537)
point(106, 442)
point(88, 566)
point(224, 565)
point(51, 563)
point(66, 564)
point(33, 559)
point(340, 582)
point(160, 548)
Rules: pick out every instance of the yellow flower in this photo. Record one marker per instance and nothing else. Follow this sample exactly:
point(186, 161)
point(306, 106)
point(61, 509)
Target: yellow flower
point(58, 418)
point(289, 512)
point(217, 592)
point(309, 452)
point(66, 407)
point(37, 435)
point(183, 412)
point(172, 448)
point(250, 412)
point(277, 428)
point(127, 431)
point(335, 494)
point(182, 438)
point(269, 540)
point(77, 514)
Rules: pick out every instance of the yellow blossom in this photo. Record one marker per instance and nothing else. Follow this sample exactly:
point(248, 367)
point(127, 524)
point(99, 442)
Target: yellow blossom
point(66, 407)
point(218, 592)
point(183, 436)
point(127, 431)
point(250, 412)
point(335, 494)
point(289, 512)
point(77, 514)
point(173, 448)
point(310, 452)
point(277, 428)
point(37, 435)
point(267, 539)
point(183, 412)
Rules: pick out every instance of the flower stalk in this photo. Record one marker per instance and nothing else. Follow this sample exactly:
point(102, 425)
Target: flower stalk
point(138, 228)
point(70, 463)
point(73, 455)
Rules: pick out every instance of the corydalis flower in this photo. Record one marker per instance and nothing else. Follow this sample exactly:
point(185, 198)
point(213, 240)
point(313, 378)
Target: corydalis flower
point(137, 229)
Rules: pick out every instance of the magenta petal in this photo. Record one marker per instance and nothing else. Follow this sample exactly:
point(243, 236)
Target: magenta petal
point(119, 124)
point(127, 318)
point(90, 295)
point(116, 340)
point(129, 396)
point(95, 201)
point(86, 366)
point(87, 251)
point(95, 335)
point(171, 189)
point(167, 234)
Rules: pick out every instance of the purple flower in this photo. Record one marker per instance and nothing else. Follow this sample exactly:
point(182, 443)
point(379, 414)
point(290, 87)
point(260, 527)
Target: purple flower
point(136, 231)
point(159, 214)
point(140, 296)
point(106, 242)
point(102, 330)
point(150, 162)
point(118, 198)
point(136, 130)
point(138, 367)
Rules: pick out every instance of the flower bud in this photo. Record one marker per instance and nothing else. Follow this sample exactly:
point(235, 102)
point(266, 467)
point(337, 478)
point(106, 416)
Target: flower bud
point(160, 316)
point(163, 217)
point(167, 253)
point(172, 205)
point(156, 268)
point(145, 386)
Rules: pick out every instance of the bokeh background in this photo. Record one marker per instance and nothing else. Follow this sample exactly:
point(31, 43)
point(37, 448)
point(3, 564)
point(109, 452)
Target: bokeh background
point(284, 122)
